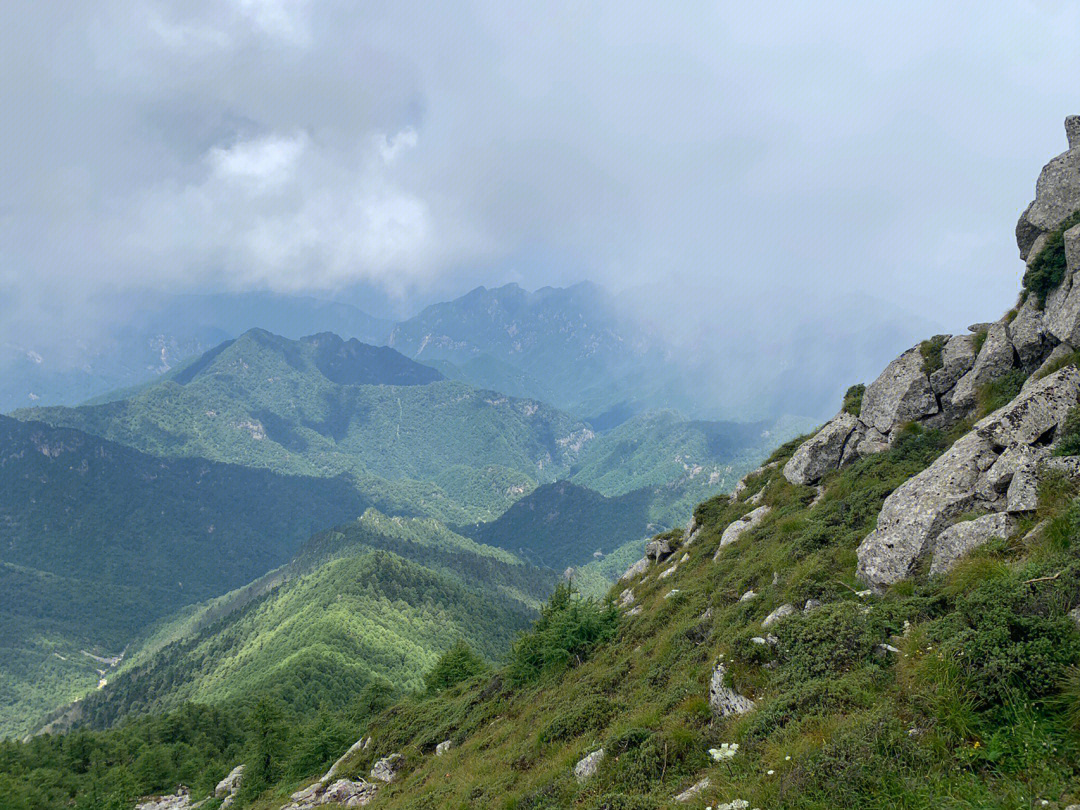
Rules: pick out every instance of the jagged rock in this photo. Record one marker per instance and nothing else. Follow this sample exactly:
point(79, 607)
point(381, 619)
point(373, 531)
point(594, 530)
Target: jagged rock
point(638, 568)
point(921, 508)
point(746, 597)
point(231, 783)
point(443, 747)
point(385, 770)
point(757, 497)
point(822, 451)
point(634, 611)
point(177, 801)
point(961, 538)
point(737, 527)
point(724, 701)
point(1017, 463)
point(667, 572)
point(1035, 413)
point(778, 614)
point(587, 767)
point(873, 441)
point(658, 550)
point(1057, 195)
point(996, 357)
point(344, 792)
point(1057, 354)
point(626, 598)
point(693, 792)
point(305, 795)
point(359, 745)
point(1027, 333)
point(691, 532)
point(900, 394)
point(957, 358)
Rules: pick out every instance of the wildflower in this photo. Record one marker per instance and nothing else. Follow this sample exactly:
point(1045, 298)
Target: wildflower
point(725, 751)
point(770, 772)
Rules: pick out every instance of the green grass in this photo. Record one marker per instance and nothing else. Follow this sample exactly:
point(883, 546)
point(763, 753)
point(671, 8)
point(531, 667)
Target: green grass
point(931, 353)
point(853, 399)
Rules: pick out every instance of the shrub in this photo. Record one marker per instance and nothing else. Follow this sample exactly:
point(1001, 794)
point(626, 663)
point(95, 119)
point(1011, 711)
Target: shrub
point(1047, 270)
point(1069, 440)
point(978, 341)
point(999, 392)
point(829, 641)
point(853, 399)
point(568, 628)
point(931, 353)
point(457, 664)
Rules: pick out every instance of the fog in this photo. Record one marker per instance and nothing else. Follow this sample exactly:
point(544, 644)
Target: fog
point(743, 173)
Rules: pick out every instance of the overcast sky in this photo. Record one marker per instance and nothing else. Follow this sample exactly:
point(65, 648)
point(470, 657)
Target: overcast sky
point(695, 153)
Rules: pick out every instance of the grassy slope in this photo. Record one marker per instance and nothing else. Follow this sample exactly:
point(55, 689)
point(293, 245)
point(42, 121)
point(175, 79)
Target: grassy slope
point(973, 712)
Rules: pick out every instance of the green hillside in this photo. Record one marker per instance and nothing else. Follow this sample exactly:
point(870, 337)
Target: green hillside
point(377, 599)
point(562, 524)
point(100, 540)
point(322, 407)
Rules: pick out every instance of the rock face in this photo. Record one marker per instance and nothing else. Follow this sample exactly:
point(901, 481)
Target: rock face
point(961, 538)
point(724, 701)
point(1057, 194)
point(966, 476)
point(902, 393)
point(737, 527)
point(343, 792)
point(587, 766)
point(228, 786)
point(821, 453)
point(359, 745)
point(177, 801)
point(996, 358)
point(385, 770)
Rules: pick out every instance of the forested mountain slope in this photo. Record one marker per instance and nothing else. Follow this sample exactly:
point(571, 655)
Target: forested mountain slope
point(99, 540)
point(378, 599)
point(320, 406)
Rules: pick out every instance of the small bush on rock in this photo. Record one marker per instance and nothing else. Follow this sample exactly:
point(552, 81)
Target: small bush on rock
point(853, 399)
point(1047, 270)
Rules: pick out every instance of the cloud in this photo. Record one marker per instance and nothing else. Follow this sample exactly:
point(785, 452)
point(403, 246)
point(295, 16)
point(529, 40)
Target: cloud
point(686, 149)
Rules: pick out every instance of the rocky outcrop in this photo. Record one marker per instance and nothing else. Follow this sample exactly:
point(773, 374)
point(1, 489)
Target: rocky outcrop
point(725, 701)
point(968, 476)
point(822, 452)
point(778, 614)
point(343, 792)
point(658, 550)
point(335, 769)
point(177, 801)
point(901, 393)
point(957, 358)
point(737, 527)
point(637, 569)
point(443, 747)
point(995, 359)
point(1057, 195)
point(693, 791)
point(588, 765)
point(227, 787)
point(961, 538)
point(386, 769)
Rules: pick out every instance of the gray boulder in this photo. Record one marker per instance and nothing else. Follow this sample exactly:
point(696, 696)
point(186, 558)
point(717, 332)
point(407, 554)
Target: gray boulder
point(737, 527)
point(693, 791)
point(1035, 413)
point(778, 614)
point(996, 358)
point(1057, 195)
point(587, 767)
point(919, 509)
point(1027, 333)
point(900, 394)
point(231, 783)
point(1063, 309)
point(961, 538)
point(723, 701)
point(386, 769)
point(658, 550)
point(822, 452)
point(443, 747)
point(638, 568)
point(957, 358)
